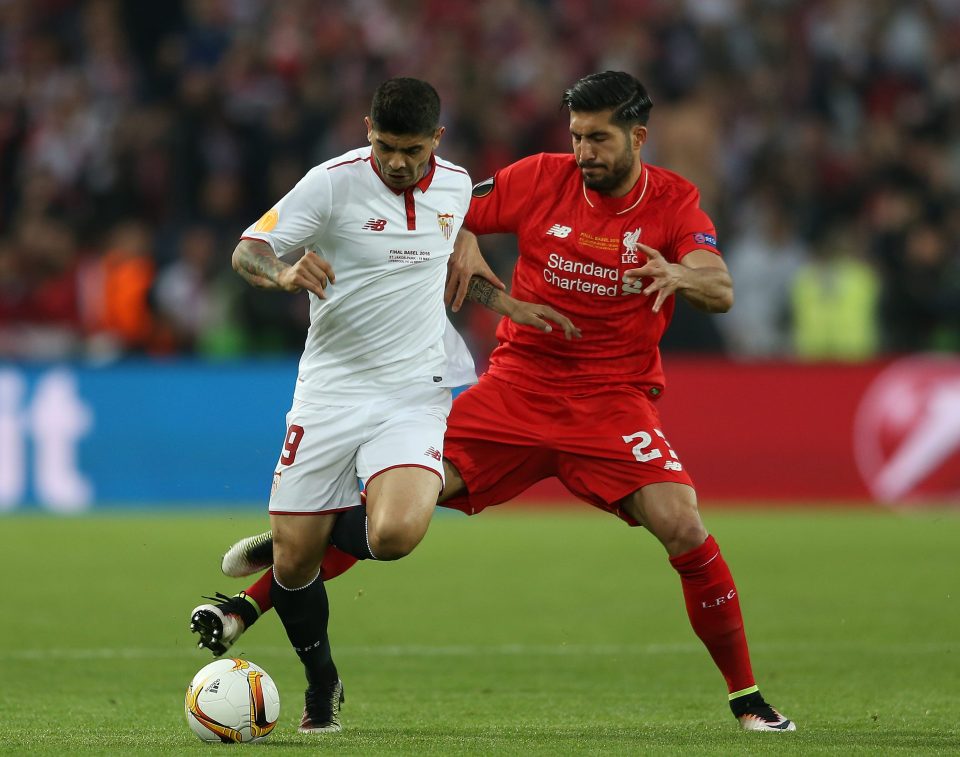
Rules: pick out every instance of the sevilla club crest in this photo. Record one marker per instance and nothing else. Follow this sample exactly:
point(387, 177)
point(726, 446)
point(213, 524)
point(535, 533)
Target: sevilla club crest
point(446, 224)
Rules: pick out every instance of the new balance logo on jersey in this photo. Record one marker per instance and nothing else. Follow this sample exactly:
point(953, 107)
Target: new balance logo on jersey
point(435, 454)
point(561, 232)
point(376, 224)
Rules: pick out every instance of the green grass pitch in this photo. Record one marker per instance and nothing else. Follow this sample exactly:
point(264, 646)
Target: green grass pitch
point(514, 632)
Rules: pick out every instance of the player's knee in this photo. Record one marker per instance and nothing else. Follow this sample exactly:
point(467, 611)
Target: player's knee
point(293, 569)
point(678, 526)
point(395, 540)
point(682, 534)
point(689, 536)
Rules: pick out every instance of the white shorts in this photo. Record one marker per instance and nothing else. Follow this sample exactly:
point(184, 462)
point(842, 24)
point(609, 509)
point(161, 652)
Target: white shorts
point(327, 448)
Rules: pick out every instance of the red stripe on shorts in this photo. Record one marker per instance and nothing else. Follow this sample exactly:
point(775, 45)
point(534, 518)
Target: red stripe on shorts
point(312, 512)
point(406, 465)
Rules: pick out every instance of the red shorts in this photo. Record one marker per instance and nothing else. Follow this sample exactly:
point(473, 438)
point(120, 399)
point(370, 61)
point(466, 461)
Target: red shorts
point(603, 445)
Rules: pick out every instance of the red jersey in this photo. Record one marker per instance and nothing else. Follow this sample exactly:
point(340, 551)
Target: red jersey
point(574, 246)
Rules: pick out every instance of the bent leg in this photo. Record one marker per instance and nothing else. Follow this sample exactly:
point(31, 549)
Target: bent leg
point(401, 520)
point(670, 512)
point(400, 503)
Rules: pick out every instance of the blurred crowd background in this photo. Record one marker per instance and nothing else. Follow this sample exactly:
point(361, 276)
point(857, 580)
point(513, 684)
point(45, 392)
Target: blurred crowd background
point(138, 139)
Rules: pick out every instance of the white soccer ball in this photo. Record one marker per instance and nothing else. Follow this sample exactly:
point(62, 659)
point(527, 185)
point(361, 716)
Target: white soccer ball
point(232, 700)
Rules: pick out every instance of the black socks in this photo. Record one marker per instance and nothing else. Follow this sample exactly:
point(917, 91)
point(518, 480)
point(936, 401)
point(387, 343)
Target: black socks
point(350, 533)
point(305, 613)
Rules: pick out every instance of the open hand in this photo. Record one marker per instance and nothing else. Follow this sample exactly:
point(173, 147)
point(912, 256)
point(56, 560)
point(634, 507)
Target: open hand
point(667, 277)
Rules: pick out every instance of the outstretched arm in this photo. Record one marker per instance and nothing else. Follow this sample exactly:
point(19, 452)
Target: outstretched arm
point(255, 262)
point(701, 277)
point(525, 313)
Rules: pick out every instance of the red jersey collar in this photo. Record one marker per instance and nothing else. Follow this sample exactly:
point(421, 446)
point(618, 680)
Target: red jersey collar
point(619, 205)
point(422, 185)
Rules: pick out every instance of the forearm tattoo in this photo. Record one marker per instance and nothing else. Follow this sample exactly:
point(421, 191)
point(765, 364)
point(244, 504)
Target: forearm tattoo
point(482, 291)
point(258, 269)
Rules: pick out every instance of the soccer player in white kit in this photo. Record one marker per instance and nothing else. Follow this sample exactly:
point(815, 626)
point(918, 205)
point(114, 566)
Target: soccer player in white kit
point(372, 391)
point(373, 388)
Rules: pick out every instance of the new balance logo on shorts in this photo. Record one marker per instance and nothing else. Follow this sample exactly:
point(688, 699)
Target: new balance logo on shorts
point(561, 232)
point(435, 454)
point(376, 224)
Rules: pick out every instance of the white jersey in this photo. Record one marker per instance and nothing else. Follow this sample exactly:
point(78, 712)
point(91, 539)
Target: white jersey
point(383, 325)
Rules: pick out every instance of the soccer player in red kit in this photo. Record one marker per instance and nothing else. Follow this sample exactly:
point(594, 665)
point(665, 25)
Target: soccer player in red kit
point(606, 239)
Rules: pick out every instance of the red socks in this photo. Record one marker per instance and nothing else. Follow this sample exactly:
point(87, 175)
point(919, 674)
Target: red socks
point(335, 562)
point(259, 591)
point(714, 610)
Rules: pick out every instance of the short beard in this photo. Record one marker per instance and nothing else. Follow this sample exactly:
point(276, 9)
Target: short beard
point(617, 175)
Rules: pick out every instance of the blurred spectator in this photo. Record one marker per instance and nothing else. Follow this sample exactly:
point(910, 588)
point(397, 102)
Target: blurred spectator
point(921, 302)
point(834, 302)
point(791, 116)
point(39, 305)
point(117, 286)
point(183, 294)
point(763, 260)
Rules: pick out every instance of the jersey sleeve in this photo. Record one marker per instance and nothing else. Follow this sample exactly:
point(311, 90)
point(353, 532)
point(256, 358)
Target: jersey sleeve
point(498, 204)
point(300, 217)
point(693, 229)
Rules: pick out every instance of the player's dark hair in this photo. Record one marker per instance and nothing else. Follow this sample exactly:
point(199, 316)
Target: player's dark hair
point(611, 90)
point(405, 106)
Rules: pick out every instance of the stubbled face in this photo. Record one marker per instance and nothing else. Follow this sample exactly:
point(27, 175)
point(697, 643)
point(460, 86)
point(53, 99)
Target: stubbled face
point(402, 158)
point(609, 158)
